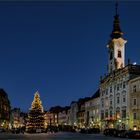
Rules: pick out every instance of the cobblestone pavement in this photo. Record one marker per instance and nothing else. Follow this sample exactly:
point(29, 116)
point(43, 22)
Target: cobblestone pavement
point(58, 136)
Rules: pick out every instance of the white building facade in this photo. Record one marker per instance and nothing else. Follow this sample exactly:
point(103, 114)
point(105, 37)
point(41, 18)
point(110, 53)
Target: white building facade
point(114, 87)
point(92, 111)
point(134, 104)
point(63, 117)
point(73, 114)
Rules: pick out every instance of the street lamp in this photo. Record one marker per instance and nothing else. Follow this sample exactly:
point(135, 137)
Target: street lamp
point(135, 127)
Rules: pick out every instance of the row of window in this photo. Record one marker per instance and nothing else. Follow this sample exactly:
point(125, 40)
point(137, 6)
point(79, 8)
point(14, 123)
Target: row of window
point(110, 114)
point(94, 112)
point(111, 102)
point(123, 99)
point(116, 88)
point(4, 107)
point(134, 101)
point(92, 103)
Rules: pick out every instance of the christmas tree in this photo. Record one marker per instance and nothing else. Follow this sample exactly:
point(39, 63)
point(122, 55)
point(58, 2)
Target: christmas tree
point(35, 121)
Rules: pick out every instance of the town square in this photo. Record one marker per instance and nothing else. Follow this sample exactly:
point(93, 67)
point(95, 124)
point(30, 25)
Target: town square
point(68, 70)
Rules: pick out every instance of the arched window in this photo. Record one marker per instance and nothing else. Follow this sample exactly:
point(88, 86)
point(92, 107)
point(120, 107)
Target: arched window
point(117, 112)
point(119, 54)
point(118, 100)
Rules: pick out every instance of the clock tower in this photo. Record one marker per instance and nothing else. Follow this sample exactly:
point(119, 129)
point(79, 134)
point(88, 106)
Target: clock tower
point(116, 46)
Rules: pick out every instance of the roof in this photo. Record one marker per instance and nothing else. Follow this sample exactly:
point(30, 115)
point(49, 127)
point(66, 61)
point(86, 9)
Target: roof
point(96, 94)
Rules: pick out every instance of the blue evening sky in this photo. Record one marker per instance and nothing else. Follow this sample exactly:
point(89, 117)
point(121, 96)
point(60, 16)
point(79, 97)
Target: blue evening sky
point(59, 48)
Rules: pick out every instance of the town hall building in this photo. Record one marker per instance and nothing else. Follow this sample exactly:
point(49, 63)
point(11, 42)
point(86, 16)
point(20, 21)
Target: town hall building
point(115, 99)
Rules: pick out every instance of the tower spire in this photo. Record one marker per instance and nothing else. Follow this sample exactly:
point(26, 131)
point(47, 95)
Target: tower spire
point(116, 7)
point(116, 32)
point(116, 45)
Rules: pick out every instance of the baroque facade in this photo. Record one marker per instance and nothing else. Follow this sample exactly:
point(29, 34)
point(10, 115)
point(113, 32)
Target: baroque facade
point(73, 114)
point(114, 87)
point(63, 116)
point(134, 104)
point(48, 116)
point(15, 118)
point(92, 111)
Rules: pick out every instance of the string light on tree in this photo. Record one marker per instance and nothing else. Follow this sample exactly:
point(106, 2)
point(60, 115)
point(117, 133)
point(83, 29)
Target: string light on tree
point(35, 120)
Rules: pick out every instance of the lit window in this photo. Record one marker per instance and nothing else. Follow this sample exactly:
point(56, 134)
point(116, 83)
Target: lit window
point(118, 114)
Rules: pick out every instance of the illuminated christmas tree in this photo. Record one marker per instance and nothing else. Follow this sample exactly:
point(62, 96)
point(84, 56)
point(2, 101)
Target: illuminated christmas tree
point(35, 120)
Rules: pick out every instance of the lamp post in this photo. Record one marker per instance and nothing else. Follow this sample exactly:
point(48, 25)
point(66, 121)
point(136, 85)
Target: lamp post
point(135, 127)
point(119, 122)
point(127, 122)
